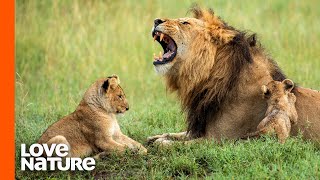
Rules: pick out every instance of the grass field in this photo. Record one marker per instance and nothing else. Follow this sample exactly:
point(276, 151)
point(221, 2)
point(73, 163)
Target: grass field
point(64, 46)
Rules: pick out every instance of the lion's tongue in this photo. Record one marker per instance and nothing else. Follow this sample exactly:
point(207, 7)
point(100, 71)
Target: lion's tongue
point(167, 54)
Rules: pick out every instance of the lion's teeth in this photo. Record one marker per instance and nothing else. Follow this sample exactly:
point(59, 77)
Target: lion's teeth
point(160, 55)
point(161, 36)
point(154, 56)
point(154, 37)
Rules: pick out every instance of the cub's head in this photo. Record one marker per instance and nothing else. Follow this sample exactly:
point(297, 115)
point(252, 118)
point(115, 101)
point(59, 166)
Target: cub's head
point(191, 38)
point(279, 92)
point(107, 94)
point(279, 96)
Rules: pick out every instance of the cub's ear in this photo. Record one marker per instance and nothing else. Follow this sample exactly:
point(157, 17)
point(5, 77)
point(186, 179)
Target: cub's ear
point(117, 77)
point(266, 92)
point(105, 85)
point(288, 84)
point(113, 82)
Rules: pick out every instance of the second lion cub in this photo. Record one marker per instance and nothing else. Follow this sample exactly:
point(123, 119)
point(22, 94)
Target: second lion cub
point(93, 128)
point(281, 112)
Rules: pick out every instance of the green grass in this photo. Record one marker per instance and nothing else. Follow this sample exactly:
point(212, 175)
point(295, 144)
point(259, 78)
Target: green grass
point(64, 46)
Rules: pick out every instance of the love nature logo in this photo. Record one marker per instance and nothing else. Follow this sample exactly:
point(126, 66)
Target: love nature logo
point(55, 159)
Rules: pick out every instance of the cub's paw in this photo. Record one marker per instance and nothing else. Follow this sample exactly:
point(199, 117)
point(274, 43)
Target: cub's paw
point(143, 150)
point(140, 150)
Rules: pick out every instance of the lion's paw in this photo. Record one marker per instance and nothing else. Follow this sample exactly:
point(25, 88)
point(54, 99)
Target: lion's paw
point(163, 142)
point(152, 139)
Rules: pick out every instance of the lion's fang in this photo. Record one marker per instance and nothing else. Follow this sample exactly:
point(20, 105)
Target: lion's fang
point(161, 36)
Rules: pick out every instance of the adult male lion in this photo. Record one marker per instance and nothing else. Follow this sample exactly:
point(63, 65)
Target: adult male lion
point(217, 72)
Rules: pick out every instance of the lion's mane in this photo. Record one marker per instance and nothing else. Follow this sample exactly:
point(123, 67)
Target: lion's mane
point(209, 77)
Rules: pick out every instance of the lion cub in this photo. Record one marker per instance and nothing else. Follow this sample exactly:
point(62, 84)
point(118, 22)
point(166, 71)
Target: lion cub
point(93, 128)
point(281, 112)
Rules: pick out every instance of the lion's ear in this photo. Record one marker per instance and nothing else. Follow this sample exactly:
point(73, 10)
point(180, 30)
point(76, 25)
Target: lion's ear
point(220, 32)
point(196, 11)
point(222, 36)
point(206, 15)
point(266, 92)
point(252, 40)
point(288, 84)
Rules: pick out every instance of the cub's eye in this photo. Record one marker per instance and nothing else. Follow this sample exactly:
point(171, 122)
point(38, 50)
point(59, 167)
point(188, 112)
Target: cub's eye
point(120, 96)
point(267, 94)
point(184, 22)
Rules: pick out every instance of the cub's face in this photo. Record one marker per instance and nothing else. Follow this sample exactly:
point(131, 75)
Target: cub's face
point(113, 95)
point(107, 94)
point(279, 96)
point(117, 99)
point(279, 92)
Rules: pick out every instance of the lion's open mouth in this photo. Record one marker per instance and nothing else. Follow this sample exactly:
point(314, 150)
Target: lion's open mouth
point(169, 48)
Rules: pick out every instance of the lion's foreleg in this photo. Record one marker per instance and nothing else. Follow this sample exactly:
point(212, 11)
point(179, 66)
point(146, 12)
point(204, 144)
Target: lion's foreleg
point(167, 142)
point(169, 138)
point(182, 136)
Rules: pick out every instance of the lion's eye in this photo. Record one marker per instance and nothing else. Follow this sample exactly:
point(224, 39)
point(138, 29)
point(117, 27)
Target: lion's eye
point(184, 22)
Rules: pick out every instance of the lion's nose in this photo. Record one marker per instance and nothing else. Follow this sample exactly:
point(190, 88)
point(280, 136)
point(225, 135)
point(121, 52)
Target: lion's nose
point(157, 22)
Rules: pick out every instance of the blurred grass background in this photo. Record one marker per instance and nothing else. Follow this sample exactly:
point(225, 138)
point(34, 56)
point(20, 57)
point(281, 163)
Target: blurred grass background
point(64, 46)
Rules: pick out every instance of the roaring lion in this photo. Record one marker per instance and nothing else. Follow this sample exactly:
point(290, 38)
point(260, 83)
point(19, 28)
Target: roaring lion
point(93, 128)
point(281, 112)
point(217, 72)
